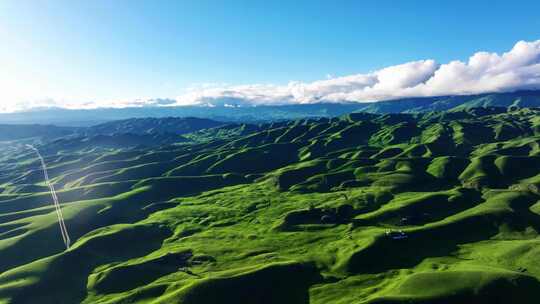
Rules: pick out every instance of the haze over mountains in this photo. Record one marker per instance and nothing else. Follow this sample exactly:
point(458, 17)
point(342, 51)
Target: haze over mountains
point(118, 133)
point(262, 113)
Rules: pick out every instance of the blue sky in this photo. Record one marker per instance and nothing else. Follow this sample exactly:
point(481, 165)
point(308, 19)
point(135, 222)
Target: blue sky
point(80, 52)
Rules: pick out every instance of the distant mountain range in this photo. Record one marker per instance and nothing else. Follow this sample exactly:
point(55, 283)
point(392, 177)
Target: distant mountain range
point(12, 132)
point(521, 99)
point(64, 117)
point(129, 132)
point(152, 125)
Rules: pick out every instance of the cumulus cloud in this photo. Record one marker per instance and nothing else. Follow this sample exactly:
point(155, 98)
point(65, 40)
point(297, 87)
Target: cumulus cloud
point(517, 69)
point(484, 72)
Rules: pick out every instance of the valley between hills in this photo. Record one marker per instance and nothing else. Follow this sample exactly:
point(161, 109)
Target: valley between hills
point(432, 207)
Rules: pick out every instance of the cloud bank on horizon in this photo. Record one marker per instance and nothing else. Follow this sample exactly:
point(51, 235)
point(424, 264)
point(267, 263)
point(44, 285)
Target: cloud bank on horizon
point(517, 69)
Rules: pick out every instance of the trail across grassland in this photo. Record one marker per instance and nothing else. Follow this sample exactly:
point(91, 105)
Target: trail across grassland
point(63, 229)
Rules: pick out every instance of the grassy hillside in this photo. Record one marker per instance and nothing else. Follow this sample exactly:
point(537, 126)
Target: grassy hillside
point(221, 112)
point(440, 207)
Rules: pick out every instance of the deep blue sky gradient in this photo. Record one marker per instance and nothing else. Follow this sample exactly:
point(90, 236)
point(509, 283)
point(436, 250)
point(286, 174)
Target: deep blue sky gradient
point(130, 49)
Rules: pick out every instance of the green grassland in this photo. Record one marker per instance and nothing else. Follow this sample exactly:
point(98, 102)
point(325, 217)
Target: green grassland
point(303, 211)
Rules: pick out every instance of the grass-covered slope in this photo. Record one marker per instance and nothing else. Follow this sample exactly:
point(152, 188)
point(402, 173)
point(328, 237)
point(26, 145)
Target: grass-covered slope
point(365, 208)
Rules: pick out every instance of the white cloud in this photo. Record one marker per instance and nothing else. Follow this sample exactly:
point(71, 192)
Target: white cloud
point(484, 72)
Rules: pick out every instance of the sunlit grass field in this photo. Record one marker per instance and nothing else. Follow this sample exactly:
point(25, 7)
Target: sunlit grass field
point(365, 208)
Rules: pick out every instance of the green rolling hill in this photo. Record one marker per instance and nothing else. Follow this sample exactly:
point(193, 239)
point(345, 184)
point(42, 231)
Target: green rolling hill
point(430, 207)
